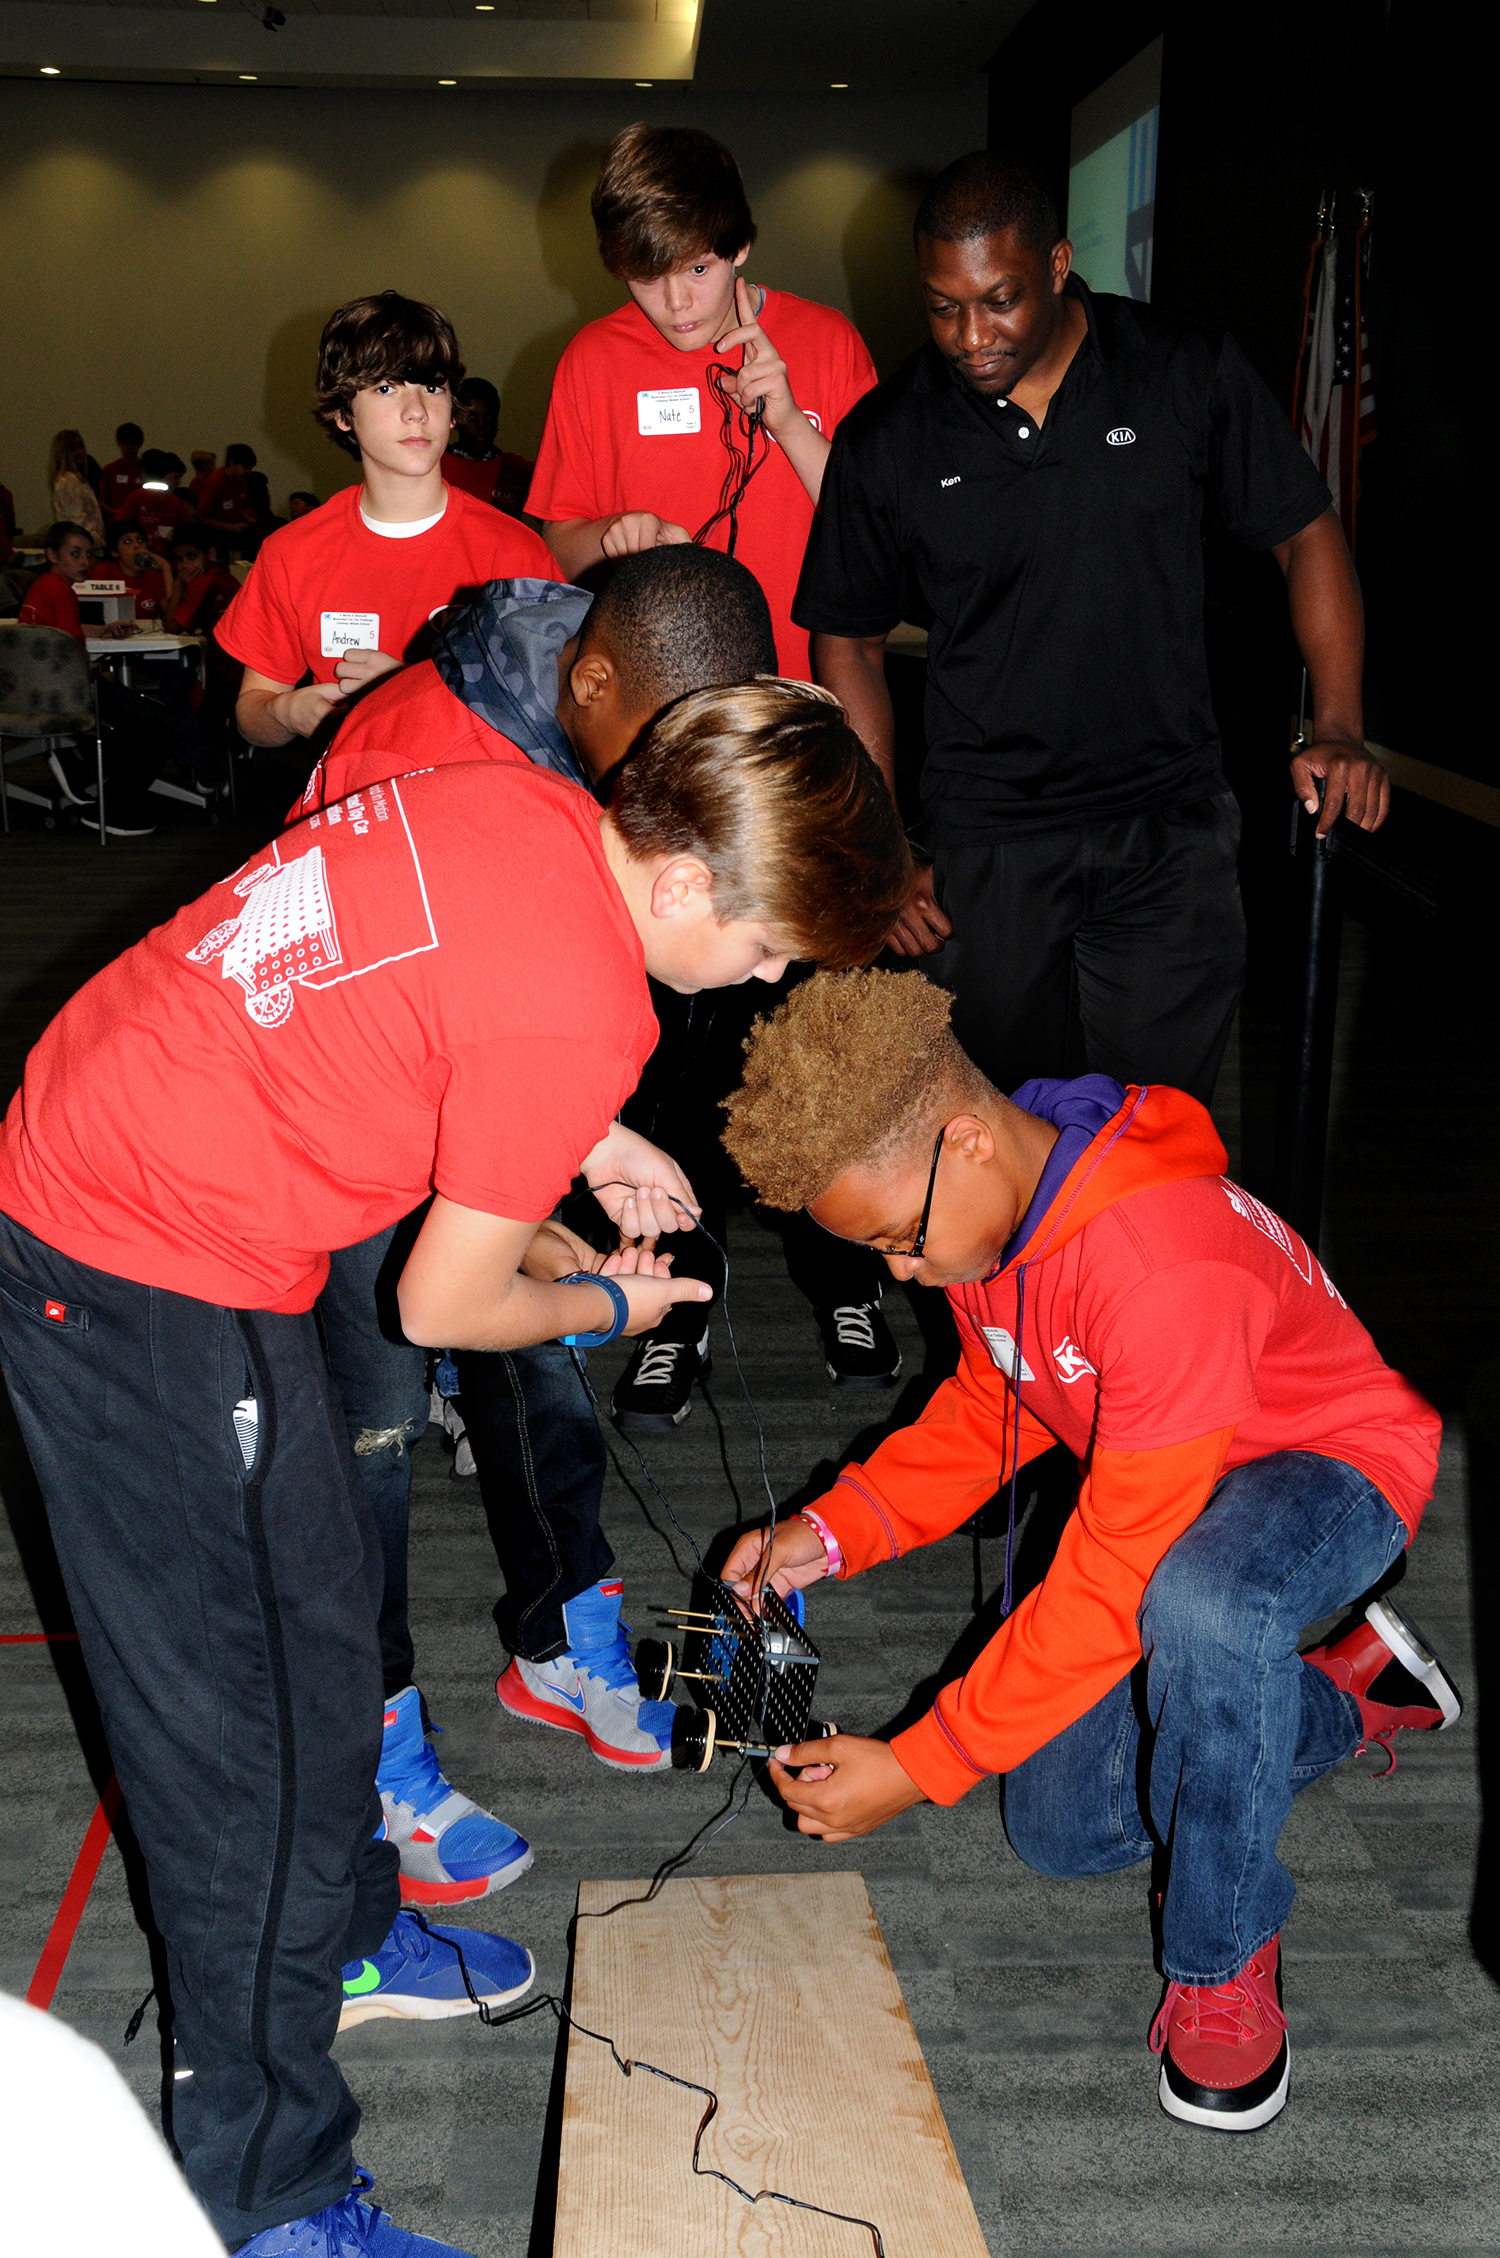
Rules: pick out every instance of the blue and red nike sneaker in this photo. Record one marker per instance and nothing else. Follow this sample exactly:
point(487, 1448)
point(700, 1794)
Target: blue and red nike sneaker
point(451, 1851)
point(418, 1973)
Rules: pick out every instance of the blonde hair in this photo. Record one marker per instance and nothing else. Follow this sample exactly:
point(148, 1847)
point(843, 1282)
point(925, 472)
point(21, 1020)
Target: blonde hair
point(63, 443)
point(768, 785)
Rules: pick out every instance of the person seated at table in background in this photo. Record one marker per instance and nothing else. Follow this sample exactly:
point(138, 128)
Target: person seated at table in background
point(120, 480)
point(202, 590)
point(203, 460)
point(473, 460)
point(227, 505)
point(74, 501)
point(147, 576)
point(132, 729)
point(298, 505)
point(160, 511)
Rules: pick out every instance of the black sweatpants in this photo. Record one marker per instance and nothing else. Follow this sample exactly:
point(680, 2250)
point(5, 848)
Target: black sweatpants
point(1142, 912)
point(227, 1618)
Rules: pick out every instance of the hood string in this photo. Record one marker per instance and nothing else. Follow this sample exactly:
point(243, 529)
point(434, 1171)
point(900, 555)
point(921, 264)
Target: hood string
point(1015, 1453)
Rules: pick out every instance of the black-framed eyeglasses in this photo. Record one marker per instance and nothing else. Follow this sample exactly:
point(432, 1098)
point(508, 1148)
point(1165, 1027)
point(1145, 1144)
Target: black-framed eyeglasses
point(914, 1252)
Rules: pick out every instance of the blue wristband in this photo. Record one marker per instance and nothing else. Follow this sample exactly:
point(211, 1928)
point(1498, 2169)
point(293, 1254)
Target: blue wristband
point(616, 1295)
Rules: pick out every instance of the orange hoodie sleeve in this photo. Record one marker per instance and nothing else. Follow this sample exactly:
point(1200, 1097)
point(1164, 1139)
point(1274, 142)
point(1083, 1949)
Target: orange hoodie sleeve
point(924, 1481)
point(1075, 1636)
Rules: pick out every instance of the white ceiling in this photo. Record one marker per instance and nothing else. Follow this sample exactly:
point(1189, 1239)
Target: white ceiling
point(745, 45)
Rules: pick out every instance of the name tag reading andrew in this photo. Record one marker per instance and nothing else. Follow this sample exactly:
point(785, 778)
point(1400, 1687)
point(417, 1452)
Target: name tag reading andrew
point(350, 631)
point(677, 410)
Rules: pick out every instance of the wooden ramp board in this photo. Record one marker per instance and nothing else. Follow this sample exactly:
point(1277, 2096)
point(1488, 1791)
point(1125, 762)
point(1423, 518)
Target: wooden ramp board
point(776, 1991)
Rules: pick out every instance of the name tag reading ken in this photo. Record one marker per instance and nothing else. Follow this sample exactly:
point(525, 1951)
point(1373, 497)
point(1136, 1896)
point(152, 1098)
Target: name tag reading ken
point(675, 410)
point(349, 631)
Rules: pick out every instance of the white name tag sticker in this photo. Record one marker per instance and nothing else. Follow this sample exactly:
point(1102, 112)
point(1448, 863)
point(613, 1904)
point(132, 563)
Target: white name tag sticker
point(677, 410)
point(349, 631)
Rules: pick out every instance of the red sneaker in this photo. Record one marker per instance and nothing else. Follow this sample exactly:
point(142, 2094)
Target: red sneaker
point(1394, 1676)
point(1225, 2062)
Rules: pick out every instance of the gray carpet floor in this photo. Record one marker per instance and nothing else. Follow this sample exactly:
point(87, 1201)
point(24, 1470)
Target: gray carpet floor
point(1031, 1998)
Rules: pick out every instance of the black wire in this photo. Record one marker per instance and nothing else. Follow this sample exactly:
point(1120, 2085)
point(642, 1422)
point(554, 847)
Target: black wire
point(743, 460)
point(627, 2066)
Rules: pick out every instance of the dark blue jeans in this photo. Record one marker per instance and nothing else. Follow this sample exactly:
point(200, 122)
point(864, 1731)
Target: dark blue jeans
point(226, 1614)
point(380, 1380)
point(1201, 1749)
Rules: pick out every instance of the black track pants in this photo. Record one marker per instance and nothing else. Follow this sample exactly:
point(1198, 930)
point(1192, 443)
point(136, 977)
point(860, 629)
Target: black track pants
point(227, 1618)
point(1144, 912)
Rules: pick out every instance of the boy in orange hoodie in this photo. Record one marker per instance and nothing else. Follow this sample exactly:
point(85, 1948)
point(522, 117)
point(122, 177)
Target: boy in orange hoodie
point(1249, 1465)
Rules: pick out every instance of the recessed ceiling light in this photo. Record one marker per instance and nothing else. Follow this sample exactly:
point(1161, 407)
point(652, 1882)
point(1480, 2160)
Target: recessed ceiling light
point(484, 7)
point(447, 82)
point(648, 83)
point(838, 86)
point(50, 70)
point(248, 78)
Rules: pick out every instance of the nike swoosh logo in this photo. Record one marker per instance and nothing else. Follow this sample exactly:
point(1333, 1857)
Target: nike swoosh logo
point(574, 1701)
point(368, 1979)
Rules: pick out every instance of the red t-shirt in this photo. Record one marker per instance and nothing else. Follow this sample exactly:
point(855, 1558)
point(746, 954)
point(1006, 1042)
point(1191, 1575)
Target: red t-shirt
point(633, 424)
point(50, 602)
point(326, 584)
point(226, 499)
point(411, 720)
point(202, 602)
point(118, 481)
point(159, 514)
point(149, 590)
point(434, 985)
point(503, 480)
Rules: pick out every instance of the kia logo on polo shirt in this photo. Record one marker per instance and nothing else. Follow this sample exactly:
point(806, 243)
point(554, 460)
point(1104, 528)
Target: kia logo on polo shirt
point(1121, 436)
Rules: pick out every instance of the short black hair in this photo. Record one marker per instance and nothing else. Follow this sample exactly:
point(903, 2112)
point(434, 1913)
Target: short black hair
point(679, 619)
point(480, 388)
point(129, 435)
point(120, 528)
point(55, 535)
point(985, 193)
point(300, 494)
point(191, 537)
point(240, 455)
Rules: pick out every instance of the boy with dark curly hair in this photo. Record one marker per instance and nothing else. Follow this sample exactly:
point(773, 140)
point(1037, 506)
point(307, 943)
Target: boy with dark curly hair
point(1250, 1465)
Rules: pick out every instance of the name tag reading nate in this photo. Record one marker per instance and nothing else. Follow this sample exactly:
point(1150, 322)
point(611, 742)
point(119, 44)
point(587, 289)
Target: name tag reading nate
point(349, 631)
point(665, 412)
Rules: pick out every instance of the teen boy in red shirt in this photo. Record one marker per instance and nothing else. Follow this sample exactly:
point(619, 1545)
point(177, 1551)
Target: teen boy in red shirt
point(651, 430)
point(146, 575)
point(1250, 1465)
point(649, 426)
point(435, 986)
point(473, 460)
point(120, 481)
point(157, 507)
point(348, 592)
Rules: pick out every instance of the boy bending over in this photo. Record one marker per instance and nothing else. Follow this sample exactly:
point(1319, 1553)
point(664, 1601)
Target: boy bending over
point(1250, 1465)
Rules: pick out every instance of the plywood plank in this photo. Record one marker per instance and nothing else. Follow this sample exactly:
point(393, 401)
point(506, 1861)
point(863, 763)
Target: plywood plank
point(777, 1991)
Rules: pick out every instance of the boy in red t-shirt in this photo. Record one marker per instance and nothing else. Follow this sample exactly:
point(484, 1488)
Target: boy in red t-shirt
point(50, 601)
point(704, 409)
point(147, 576)
point(654, 436)
point(202, 589)
point(473, 460)
point(158, 508)
point(132, 725)
point(119, 480)
point(226, 501)
point(1250, 1466)
point(349, 592)
point(435, 987)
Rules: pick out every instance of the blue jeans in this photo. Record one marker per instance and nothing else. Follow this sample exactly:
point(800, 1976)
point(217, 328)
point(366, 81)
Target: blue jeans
point(1199, 1752)
point(380, 1379)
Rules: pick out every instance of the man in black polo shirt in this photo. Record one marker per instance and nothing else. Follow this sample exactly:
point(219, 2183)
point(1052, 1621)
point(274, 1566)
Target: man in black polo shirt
point(1041, 471)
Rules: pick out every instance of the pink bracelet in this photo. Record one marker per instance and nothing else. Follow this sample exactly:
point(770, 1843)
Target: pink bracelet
point(826, 1538)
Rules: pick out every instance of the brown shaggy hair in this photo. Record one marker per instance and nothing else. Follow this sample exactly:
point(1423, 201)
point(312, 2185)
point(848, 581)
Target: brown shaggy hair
point(384, 340)
point(666, 195)
point(768, 784)
point(854, 1069)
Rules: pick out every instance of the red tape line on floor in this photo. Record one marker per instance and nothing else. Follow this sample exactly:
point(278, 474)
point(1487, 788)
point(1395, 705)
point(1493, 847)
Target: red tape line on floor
point(39, 1992)
point(35, 1638)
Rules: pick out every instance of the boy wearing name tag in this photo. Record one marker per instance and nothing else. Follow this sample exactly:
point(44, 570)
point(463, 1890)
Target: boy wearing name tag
point(649, 432)
point(347, 593)
point(704, 411)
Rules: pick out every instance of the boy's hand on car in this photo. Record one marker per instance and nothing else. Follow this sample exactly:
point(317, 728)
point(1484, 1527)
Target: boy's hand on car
point(844, 1787)
point(797, 1559)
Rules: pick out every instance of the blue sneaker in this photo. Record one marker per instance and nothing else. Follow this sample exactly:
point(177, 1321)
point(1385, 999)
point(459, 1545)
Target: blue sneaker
point(416, 1973)
point(592, 1689)
point(450, 1849)
point(350, 2229)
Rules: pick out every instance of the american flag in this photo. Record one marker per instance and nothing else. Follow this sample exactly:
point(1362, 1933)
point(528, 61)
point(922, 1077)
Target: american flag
point(1334, 403)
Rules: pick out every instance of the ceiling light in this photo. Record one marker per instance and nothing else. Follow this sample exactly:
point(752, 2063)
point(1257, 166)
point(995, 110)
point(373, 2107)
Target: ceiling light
point(50, 70)
point(247, 78)
point(838, 86)
point(647, 83)
point(484, 7)
point(447, 82)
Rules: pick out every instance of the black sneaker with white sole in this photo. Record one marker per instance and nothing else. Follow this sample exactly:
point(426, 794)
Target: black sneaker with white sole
point(859, 1348)
point(655, 1389)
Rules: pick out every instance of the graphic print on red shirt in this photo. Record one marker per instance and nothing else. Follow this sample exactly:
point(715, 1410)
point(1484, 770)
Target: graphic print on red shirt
point(50, 602)
point(433, 985)
point(412, 719)
point(325, 584)
point(634, 424)
point(149, 590)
